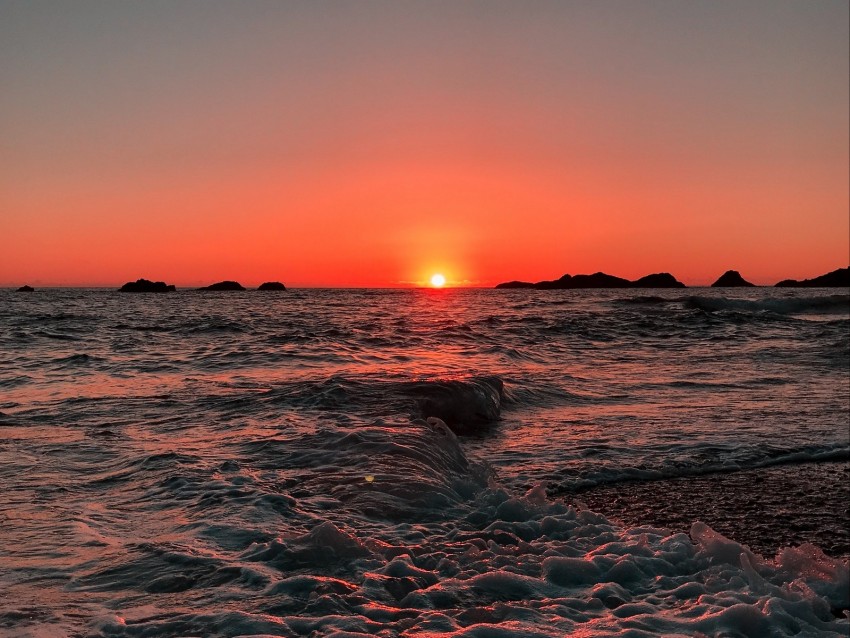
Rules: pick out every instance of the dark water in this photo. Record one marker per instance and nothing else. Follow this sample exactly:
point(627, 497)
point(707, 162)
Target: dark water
point(259, 463)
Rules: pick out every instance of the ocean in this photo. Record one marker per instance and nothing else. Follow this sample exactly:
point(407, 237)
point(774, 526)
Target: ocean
point(478, 463)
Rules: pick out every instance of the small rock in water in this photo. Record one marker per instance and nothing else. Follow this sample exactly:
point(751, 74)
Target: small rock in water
point(272, 285)
point(223, 285)
point(145, 285)
point(732, 279)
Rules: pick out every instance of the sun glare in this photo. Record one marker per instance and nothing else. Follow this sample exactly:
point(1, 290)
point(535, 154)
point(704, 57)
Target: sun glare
point(438, 281)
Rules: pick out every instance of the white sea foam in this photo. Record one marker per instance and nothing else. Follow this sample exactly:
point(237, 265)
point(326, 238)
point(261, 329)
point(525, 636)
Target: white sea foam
point(506, 564)
point(552, 571)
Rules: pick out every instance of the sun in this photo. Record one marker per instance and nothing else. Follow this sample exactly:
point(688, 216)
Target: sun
point(437, 280)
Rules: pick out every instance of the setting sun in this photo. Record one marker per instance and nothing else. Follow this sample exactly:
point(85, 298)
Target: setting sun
point(438, 281)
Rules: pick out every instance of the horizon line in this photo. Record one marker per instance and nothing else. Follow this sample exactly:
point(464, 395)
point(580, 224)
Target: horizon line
point(116, 288)
point(400, 286)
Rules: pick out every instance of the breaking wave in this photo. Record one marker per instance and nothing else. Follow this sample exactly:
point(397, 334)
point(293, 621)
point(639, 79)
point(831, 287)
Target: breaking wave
point(526, 567)
point(783, 306)
point(732, 461)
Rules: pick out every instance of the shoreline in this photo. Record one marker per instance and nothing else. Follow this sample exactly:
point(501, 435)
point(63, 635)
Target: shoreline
point(764, 508)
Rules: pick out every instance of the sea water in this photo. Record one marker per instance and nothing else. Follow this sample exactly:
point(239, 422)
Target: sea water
point(395, 462)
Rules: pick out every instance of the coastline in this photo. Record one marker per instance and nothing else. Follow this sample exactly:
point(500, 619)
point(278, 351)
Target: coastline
point(764, 508)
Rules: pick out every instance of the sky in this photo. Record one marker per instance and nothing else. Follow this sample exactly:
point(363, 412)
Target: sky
point(374, 143)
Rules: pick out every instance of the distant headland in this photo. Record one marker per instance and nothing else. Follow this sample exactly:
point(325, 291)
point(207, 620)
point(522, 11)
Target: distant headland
point(729, 279)
point(599, 280)
point(840, 277)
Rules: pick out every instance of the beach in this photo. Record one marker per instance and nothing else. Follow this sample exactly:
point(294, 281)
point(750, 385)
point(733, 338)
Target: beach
point(765, 509)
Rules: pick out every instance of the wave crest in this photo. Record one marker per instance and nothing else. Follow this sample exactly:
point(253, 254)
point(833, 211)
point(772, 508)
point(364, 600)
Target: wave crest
point(465, 406)
point(779, 305)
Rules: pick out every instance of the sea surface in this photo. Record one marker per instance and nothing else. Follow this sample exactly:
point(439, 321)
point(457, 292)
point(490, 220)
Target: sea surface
point(413, 462)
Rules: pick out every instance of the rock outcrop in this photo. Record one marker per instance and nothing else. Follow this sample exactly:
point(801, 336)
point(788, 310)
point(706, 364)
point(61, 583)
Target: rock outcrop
point(658, 280)
point(145, 285)
point(835, 279)
point(598, 280)
point(223, 286)
point(272, 285)
point(558, 284)
point(26, 289)
point(516, 284)
point(732, 279)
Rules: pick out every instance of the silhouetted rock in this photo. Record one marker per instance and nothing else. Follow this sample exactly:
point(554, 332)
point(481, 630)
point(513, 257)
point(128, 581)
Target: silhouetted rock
point(223, 285)
point(26, 289)
point(732, 279)
point(272, 285)
point(599, 280)
point(561, 283)
point(144, 285)
point(836, 278)
point(658, 280)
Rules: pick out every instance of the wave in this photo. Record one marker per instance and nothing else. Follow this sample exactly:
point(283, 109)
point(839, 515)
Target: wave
point(14, 381)
point(526, 567)
point(782, 306)
point(466, 406)
point(624, 474)
point(77, 360)
point(392, 529)
point(644, 300)
point(59, 336)
point(143, 328)
point(58, 317)
point(386, 471)
point(214, 326)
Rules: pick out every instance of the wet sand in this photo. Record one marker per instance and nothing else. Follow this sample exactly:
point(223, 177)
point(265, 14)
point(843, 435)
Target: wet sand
point(765, 509)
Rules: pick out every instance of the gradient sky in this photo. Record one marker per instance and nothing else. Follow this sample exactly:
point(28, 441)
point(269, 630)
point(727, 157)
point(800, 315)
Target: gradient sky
point(373, 143)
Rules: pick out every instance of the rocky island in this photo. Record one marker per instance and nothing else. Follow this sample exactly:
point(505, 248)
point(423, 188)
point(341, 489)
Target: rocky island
point(223, 286)
point(25, 289)
point(145, 285)
point(598, 280)
point(272, 285)
point(732, 279)
point(658, 280)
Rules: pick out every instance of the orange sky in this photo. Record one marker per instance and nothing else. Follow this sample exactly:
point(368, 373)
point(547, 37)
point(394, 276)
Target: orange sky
point(372, 143)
